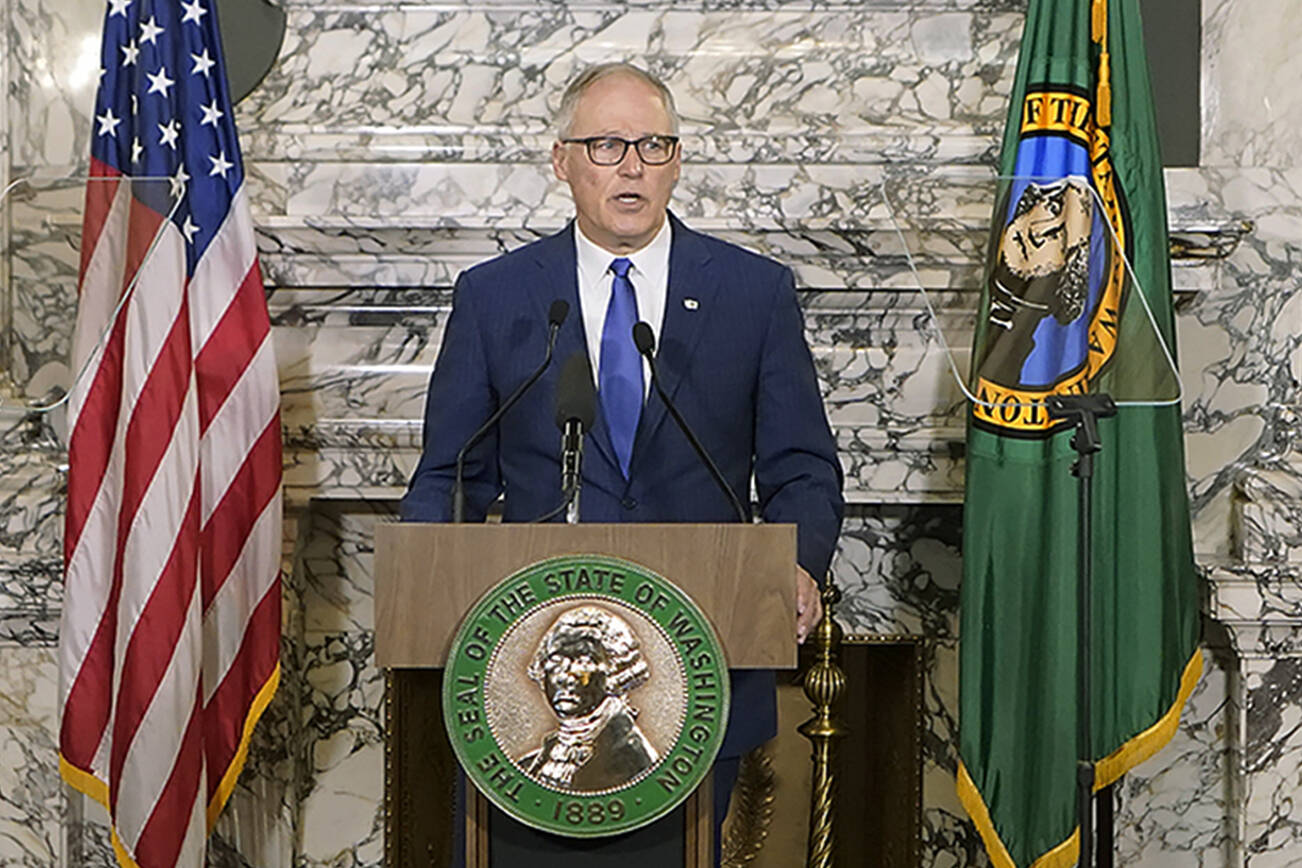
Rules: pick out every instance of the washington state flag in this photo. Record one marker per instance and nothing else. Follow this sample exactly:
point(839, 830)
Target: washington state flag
point(1076, 300)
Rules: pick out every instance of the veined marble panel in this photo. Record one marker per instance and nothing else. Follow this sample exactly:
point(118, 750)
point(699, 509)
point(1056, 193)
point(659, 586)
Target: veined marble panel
point(1270, 509)
point(791, 77)
point(31, 531)
point(711, 196)
point(1271, 762)
point(30, 792)
point(766, 81)
point(53, 70)
point(6, 52)
point(1251, 104)
point(949, 840)
point(1241, 344)
point(899, 570)
point(30, 487)
point(329, 252)
point(341, 817)
point(337, 566)
point(1177, 805)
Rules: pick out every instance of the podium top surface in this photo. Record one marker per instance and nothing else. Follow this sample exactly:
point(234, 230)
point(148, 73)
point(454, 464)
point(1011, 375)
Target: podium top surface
point(427, 576)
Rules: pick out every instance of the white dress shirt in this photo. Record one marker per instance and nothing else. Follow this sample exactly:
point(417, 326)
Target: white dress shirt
point(649, 276)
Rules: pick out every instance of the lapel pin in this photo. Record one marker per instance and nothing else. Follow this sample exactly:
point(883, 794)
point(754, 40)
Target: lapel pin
point(691, 303)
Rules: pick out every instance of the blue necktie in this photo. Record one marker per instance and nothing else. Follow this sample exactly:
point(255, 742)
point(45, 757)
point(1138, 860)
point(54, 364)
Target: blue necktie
point(619, 383)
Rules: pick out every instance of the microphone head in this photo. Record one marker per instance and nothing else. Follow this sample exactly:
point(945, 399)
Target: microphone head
point(557, 313)
point(643, 339)
point(576, 396)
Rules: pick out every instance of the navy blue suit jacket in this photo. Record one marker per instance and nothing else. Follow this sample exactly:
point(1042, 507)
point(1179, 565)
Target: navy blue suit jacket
point(733, 358)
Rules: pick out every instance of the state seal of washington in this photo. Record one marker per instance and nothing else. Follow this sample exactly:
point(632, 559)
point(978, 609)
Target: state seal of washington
point(586, 695)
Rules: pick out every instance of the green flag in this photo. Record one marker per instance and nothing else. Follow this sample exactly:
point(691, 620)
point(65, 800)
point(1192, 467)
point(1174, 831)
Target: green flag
point(1061, 313)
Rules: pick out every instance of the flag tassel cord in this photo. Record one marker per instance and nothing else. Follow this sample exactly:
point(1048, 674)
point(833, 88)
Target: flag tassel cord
point(1099, 34)
point(1107, 771)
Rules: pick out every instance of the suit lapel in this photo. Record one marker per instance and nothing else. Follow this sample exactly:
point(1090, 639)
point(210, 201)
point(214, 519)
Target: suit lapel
point(692, 290)
point(559, 278)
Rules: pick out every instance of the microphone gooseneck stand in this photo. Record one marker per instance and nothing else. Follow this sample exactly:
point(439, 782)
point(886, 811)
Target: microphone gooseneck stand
point(576, 409)
point(555, 318)
point(572, 467)
point(645, 341)
point(1084, 411)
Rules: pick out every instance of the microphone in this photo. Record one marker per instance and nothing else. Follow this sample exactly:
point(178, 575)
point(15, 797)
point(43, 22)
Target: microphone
point(555, 317)
point(576, 407)
point(575, 410)
point(645, 342)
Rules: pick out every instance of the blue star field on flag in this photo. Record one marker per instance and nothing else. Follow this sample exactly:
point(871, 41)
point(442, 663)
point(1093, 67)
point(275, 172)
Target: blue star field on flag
point(163, 110)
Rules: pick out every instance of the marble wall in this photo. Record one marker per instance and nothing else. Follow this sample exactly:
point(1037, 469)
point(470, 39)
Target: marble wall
point(395, 143)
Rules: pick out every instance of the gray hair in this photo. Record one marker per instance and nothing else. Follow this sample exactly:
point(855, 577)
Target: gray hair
point(593, 74)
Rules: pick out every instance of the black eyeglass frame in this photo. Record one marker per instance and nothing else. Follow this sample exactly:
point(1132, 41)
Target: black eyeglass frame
point(590, 141)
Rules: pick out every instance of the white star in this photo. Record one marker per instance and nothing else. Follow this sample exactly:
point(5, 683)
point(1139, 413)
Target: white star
point(202, 63)
point(108, 125)
point(167, 134)
point(149, 31)
point(189, 229)
point(219, 165)
point(159, 82)
point(193, 12)
point(178, 181)
point(130, 52)
point(211, 113)
point(136, 149)
point(118, 7)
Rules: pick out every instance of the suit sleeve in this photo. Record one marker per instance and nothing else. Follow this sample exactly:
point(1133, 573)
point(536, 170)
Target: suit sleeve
point(459, 399)
point(797, 473)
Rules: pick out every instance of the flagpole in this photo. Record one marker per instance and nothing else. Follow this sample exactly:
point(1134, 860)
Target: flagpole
point(1084, 411)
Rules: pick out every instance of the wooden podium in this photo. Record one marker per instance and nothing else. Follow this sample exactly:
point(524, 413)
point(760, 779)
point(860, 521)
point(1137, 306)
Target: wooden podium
point(427, 576)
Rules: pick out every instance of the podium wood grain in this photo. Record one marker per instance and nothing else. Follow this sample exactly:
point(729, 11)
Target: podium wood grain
point(427, 576)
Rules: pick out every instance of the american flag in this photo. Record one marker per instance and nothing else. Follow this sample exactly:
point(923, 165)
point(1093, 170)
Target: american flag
point(169, 647)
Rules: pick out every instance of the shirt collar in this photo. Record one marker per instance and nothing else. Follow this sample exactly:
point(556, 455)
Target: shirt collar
point(651, 262)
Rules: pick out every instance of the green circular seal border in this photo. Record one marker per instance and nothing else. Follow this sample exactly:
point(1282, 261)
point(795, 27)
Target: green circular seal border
point(586, 578)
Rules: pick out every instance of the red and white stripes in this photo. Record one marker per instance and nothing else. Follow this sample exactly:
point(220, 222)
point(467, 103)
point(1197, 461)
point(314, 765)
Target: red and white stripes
point(169, 645)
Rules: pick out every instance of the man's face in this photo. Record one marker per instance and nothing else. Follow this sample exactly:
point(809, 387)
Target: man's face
point(575, 677)
point(620, 207)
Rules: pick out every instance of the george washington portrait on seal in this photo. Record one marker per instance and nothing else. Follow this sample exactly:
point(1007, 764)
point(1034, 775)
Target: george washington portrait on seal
point(586, 665)
point(1040, 286)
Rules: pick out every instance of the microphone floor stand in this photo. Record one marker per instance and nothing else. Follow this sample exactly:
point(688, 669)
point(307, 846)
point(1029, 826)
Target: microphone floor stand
point(1084, 411)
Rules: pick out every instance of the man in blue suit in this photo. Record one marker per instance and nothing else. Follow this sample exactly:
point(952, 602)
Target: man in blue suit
point(731, 354)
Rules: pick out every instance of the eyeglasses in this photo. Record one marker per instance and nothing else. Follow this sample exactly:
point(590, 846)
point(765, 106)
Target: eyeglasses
point(610, 150)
